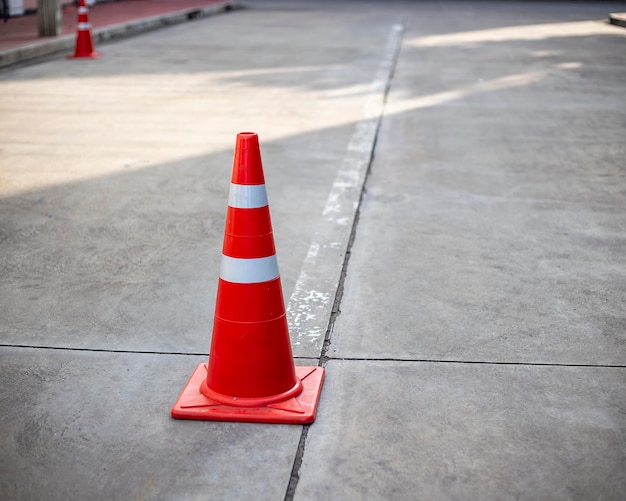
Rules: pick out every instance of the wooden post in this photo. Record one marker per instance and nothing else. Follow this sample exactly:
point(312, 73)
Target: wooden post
point(49, 18)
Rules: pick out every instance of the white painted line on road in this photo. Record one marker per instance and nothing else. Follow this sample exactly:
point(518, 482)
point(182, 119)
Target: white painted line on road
point(310, 305)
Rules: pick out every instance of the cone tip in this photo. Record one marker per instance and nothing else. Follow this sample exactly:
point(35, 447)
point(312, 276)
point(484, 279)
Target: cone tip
point(247, 166)
point(247, 140)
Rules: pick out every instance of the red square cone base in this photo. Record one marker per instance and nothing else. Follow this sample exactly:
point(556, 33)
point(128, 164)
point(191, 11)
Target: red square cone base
point(192, 404)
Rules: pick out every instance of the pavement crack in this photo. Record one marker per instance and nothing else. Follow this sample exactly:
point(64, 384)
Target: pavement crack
point(297, 463)
point(101, 350)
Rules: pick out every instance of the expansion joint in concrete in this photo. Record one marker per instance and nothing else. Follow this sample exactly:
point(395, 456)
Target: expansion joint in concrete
point(472, 362)
point(381, 87)
point(102, 350)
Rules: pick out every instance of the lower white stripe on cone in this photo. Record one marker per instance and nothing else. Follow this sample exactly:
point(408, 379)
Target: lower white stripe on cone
point(84, 26)
point(248, 271)
point(247, 196)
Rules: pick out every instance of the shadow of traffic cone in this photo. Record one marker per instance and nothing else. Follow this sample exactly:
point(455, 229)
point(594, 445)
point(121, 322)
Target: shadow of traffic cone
point(84, 43)
point(250, 375)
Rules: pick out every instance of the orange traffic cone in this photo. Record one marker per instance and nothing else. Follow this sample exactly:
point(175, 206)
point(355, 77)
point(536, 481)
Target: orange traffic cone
point(250, 375)
point(84, 43)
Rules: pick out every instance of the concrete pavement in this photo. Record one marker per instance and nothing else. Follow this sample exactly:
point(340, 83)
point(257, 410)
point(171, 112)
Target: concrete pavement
point(115, 179)
point(479, 352)
point(474, 337)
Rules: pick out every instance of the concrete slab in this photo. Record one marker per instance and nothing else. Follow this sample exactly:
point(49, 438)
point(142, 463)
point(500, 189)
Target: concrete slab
point(95, 425)
point(493, 226)
point(112, 198)
point(115, 172)
point(409, 430)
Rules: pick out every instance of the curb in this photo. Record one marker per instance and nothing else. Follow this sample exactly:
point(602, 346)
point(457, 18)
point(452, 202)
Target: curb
point(115, 31)
point(618, 19)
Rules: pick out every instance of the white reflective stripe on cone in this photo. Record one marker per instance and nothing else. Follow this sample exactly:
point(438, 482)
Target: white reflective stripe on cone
point(247, 196)
point(83, 10)
point(84, 26)
point(249, 271)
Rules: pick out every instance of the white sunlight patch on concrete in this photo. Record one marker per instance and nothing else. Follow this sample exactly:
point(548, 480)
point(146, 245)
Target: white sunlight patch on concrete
point(64, 129)
point(506, 82)
point(510, 33)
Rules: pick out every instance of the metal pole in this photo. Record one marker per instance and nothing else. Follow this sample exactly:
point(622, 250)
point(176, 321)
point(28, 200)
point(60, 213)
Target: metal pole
point(49, 18)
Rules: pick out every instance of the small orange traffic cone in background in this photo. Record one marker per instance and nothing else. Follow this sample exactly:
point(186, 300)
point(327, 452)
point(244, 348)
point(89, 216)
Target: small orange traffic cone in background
point(250, 375)
point(84, 43)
